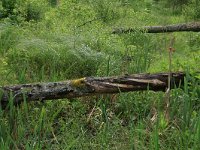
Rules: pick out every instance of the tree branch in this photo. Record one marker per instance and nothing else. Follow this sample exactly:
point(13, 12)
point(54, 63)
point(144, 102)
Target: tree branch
point(195, 27)
point(87, 86)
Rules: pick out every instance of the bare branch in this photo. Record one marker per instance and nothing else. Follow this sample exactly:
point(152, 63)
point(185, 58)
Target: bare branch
point(88, 86)
point(194, 26)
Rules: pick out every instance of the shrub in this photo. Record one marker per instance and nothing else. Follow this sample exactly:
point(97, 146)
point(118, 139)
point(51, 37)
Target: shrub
point(8, 6)
point(33, 9)
point(23, 10)
point(106, 10)
point(192, 10)
point(53, 2)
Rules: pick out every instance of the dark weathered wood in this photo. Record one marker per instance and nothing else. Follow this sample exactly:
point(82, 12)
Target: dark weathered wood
point(195, 27)
point(88, 86)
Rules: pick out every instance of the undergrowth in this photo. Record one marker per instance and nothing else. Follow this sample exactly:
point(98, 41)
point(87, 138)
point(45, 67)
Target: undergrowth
point(59, 40)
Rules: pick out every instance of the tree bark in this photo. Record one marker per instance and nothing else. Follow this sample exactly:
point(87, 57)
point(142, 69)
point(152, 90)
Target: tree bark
point(88, 86)
point(195, 27)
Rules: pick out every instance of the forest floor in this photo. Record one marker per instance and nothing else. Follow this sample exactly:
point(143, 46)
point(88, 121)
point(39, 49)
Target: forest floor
point(74, 39)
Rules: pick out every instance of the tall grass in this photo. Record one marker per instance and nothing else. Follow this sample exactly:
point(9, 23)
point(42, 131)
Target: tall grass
point(57, 48)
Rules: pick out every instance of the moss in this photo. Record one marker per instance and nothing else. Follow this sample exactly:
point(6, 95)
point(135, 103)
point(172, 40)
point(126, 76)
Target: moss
point(78, 82)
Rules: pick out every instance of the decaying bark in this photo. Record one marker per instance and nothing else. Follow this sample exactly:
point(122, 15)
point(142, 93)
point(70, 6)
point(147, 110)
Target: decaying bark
point(195, 27)
point(87, 86)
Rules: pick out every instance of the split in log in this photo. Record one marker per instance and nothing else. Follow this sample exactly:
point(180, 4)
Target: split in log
point(87, 86)
point(195, 27)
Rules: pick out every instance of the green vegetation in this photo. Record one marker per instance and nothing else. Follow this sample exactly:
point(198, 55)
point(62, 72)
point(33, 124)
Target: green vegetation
point(52, 40)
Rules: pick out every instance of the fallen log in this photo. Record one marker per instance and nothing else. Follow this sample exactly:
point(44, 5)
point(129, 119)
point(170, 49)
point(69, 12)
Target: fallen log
point(194, 26)
point(88, 86)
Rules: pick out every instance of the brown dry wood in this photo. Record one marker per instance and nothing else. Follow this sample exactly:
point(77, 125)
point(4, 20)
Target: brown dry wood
point(193, 26)
point(88, 86)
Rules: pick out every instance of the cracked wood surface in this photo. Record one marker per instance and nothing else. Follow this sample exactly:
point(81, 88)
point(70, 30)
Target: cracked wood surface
point(88, 86)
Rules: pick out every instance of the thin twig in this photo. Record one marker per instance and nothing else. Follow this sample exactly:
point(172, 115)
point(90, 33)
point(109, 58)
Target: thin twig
point(89, 21)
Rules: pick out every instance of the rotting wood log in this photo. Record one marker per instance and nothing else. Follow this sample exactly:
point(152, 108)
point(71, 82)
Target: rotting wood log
point(88, 86)
point(194, 26)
